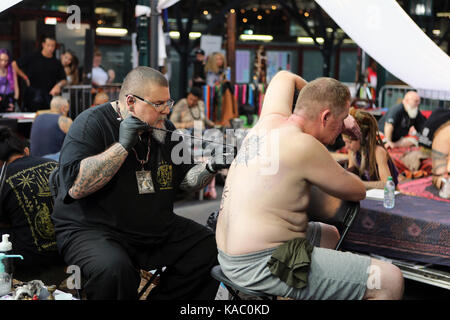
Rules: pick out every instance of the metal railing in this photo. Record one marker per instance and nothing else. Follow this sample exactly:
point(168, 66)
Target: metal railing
point(390, 95)
point(81, 97)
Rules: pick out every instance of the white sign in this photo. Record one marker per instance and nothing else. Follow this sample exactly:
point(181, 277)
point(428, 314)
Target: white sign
point(211, 44)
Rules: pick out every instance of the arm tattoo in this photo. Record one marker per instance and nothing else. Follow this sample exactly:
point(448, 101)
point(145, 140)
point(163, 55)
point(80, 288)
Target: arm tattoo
point(96, 171)
point(196, 178)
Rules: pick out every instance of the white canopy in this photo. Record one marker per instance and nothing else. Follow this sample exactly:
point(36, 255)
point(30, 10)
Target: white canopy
point(5, 4)
point(390, 36)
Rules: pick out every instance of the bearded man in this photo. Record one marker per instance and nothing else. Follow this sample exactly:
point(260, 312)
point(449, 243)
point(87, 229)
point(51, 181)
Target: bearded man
point(398, 122)
point(118, 180)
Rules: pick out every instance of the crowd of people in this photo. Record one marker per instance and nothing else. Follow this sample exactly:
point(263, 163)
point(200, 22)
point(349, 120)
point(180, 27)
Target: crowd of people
point(117, 180)
point(44, 76)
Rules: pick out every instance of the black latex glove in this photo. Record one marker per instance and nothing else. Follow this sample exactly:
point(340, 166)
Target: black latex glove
point(129, 131)
point(220, 161)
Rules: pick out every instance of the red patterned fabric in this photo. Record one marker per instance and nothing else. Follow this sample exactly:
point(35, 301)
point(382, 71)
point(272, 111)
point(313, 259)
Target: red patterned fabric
point(397, 154)
point(422, 188)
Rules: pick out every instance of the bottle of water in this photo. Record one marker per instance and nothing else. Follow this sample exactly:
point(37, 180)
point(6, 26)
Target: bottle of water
point(389, 194)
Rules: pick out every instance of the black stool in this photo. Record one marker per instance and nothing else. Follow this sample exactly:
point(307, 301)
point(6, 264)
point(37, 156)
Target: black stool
point(343, 219)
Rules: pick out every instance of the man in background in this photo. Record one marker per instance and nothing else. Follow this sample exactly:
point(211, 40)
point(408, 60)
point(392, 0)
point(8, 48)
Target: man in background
point(397, 122)
point(44, 76)
point(49, 129)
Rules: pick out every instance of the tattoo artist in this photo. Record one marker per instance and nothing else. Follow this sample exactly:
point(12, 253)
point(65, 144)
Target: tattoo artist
point(113, 214)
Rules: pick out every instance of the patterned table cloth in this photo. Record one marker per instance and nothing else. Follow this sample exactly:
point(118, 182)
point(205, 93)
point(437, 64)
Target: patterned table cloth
point(416, 229)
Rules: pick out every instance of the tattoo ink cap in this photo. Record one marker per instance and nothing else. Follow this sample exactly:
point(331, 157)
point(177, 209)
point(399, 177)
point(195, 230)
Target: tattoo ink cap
point(6, 248)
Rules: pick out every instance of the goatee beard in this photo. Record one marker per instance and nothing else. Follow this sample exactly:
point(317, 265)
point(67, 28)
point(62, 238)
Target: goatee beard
point(159, 135)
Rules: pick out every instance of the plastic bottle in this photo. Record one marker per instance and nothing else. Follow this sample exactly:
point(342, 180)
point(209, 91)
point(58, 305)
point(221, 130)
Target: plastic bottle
point(6, 248)
point(389, 194)
point(228, 74)
point(5, 277)
point(445, 188)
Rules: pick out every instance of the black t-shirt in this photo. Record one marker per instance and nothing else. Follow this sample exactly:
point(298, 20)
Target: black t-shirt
point(199, 71)
point(118, 207)
point(43, 72)
point(434, 121)
point(399, 118)
point(26, 206)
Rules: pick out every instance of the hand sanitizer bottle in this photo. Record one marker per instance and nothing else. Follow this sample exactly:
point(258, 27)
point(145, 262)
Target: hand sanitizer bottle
point(5, 278)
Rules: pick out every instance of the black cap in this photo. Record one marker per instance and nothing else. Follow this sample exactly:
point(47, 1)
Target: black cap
point(199, 51)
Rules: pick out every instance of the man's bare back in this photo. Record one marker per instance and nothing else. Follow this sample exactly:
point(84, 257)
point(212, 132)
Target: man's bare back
point(263, 201)
point(267, 193)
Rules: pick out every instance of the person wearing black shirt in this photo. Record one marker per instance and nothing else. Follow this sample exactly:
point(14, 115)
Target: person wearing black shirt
point(199, 76)
point(435, 140)
point(398, 120)
point(25, 207)
point(118, 178)
point(43, 74)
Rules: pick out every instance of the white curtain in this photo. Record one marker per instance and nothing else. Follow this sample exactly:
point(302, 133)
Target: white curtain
point(5, 4)
point(390, 36)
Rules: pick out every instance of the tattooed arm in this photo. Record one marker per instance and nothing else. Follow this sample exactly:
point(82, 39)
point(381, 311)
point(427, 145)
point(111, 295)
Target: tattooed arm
point(96, 171)
point(196, 178)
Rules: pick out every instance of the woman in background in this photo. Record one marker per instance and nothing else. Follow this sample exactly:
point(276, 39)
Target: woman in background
point(367, 157)
point(70, 63)
point(9, 88)
point(215, 69)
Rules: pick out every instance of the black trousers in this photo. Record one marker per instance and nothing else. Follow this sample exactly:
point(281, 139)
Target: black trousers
point(35, 99)
point(110, 265)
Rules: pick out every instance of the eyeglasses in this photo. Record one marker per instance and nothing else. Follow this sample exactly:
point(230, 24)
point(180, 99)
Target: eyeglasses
point(169, 103)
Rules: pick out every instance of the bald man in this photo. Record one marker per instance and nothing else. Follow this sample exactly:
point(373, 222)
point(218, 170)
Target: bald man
point(50, 128)
point(265, 240)
point(398, 121)
point(114, 211)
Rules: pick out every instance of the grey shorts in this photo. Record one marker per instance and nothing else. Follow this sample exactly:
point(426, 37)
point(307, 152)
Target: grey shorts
point(334, 275)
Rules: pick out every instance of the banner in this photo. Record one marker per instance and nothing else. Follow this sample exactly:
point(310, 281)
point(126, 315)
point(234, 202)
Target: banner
point(391, 37)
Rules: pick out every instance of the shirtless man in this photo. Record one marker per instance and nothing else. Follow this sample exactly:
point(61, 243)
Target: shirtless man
point(260, 213)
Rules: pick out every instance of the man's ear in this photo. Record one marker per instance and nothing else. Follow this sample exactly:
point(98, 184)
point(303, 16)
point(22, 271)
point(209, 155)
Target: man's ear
point(26, 151)
point(130, 101)
point(325, 116)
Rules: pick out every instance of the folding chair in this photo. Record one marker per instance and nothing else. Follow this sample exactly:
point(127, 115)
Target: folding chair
point(345, 213)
